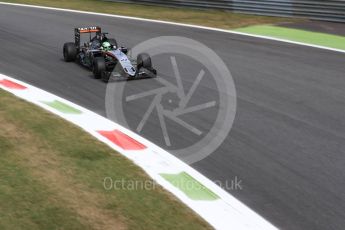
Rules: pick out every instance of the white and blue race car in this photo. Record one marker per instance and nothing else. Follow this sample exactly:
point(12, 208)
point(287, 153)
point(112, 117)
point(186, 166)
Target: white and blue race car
point(106, 63)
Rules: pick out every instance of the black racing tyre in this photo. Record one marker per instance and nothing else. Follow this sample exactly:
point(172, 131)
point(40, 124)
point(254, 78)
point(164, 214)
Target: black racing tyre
point(144, 60)
point(69, 51)
point(112, 42)
point(105, 76)
point(98, 67)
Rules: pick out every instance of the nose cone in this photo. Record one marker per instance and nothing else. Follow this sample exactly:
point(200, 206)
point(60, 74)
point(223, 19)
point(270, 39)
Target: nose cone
point(124, 62)
point(130, 70)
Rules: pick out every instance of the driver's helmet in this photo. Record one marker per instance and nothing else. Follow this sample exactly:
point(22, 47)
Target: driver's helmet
point(106, 46)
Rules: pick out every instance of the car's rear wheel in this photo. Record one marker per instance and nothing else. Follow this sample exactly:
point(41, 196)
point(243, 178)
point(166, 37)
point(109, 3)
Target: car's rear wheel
point(69, 51)
point(98, 67)
point(144, 60)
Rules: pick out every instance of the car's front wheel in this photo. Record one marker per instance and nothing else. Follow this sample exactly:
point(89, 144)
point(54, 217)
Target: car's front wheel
point(144, 60)
point(105, 76)
point(98, 67)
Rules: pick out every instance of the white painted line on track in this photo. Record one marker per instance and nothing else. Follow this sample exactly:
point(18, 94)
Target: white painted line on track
point(176, 24)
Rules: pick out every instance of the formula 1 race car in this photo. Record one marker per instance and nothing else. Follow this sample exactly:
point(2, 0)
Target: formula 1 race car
point(105, 58)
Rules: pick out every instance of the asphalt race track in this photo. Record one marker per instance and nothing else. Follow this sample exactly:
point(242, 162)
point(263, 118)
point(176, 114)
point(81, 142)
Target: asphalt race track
point(287, 144)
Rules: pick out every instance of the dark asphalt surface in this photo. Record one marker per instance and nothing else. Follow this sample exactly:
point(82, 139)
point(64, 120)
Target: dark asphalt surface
point(287, 144)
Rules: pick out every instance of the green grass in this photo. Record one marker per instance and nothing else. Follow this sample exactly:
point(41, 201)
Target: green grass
point(51, 177)
point(315, 38)
point(212, 18)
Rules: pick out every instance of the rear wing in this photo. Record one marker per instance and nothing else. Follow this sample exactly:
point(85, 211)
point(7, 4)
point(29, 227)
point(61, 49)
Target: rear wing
point(85, 30)
point(91, 29)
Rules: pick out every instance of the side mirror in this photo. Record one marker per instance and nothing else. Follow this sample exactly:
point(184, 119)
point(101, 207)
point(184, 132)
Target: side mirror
point(124, 49)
